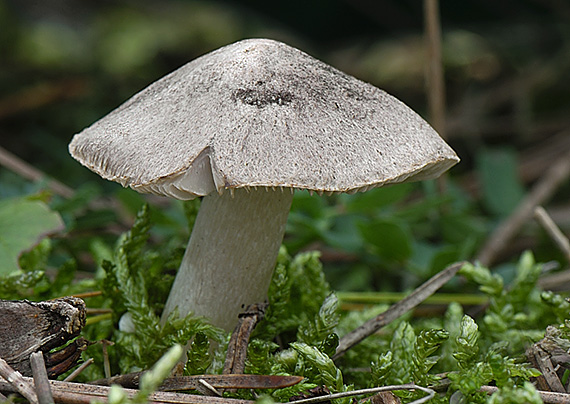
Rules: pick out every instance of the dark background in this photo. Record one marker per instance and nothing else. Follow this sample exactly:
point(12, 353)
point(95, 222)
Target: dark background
point(66, 63)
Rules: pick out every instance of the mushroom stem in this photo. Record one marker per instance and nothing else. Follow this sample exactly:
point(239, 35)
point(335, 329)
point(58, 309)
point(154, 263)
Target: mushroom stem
point(231, 255)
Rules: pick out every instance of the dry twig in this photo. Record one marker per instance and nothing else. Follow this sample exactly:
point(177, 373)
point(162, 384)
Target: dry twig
point(180, 383)
point(384, 397)
point(550, 356)
point(398, 309)
point(17, 383)
point(106, 363)
point(559, 281)
point(79, 393)
point(548, 397)
point(25, 170)
point(373, 390)
point(79, 370)
point(553, 231)
point(41, 380)
point(237, 347)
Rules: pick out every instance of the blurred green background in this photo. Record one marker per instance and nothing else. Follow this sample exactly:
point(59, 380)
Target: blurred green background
point(64, 64)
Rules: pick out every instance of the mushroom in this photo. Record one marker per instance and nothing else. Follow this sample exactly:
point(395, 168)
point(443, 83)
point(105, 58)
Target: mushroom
point(243, 127)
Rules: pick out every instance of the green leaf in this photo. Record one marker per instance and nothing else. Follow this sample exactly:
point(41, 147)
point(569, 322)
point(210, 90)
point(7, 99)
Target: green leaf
point(388, 239)
point(37, 257)
point(131, 244)
point(559, 304)
point(117, 395)
point(18, 284)
point(427, 342)
point(456, 227)
point(381, 369)
point(62, 284)
point(319, 367)
point(316, 332)
point(452, 324)
point(329, 344)
point(150, 380)
point(401, 359)
point(502, 189)
point(309, 205)
point(308, 220)
point(491, 284)
point(191, 209)
point(344, 234)
point(297, 291)
point(408, 360)
point(259, 357)
point(528, 272)
point(161, 370)
point(443, 257)
point(470, 380)
point(199, 358)
point(24, 223)
point(526, 393)
point(466, 343)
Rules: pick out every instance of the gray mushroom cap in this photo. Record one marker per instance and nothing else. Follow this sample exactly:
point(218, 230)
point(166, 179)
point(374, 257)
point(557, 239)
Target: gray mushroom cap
point(259, 113)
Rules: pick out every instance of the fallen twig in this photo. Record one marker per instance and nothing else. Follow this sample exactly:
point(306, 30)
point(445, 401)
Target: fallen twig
point(79, 370)
point(207, 389)
point(25, 170)
point(106, 362)
point(17, 383)
point(85, 295)
point(373, 390)
point(553, 231)
point(384, 397)
point(551, 358)
point(547, 397)
point(540, 193)
point(41, 380)
point(558, 281)
point(396, 310)
point(233, 381)
point(79, 393)
point(96, 311)
point(237, 347)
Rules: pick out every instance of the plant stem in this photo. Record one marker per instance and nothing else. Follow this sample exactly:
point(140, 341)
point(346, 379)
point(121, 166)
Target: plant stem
point(391, 297)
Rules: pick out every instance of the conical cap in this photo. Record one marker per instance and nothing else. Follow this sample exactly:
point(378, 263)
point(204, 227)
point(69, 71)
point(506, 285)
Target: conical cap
point(259, 113)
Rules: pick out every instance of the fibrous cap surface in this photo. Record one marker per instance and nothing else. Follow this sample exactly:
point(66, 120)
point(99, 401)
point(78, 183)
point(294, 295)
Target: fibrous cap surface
point(259, 113)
